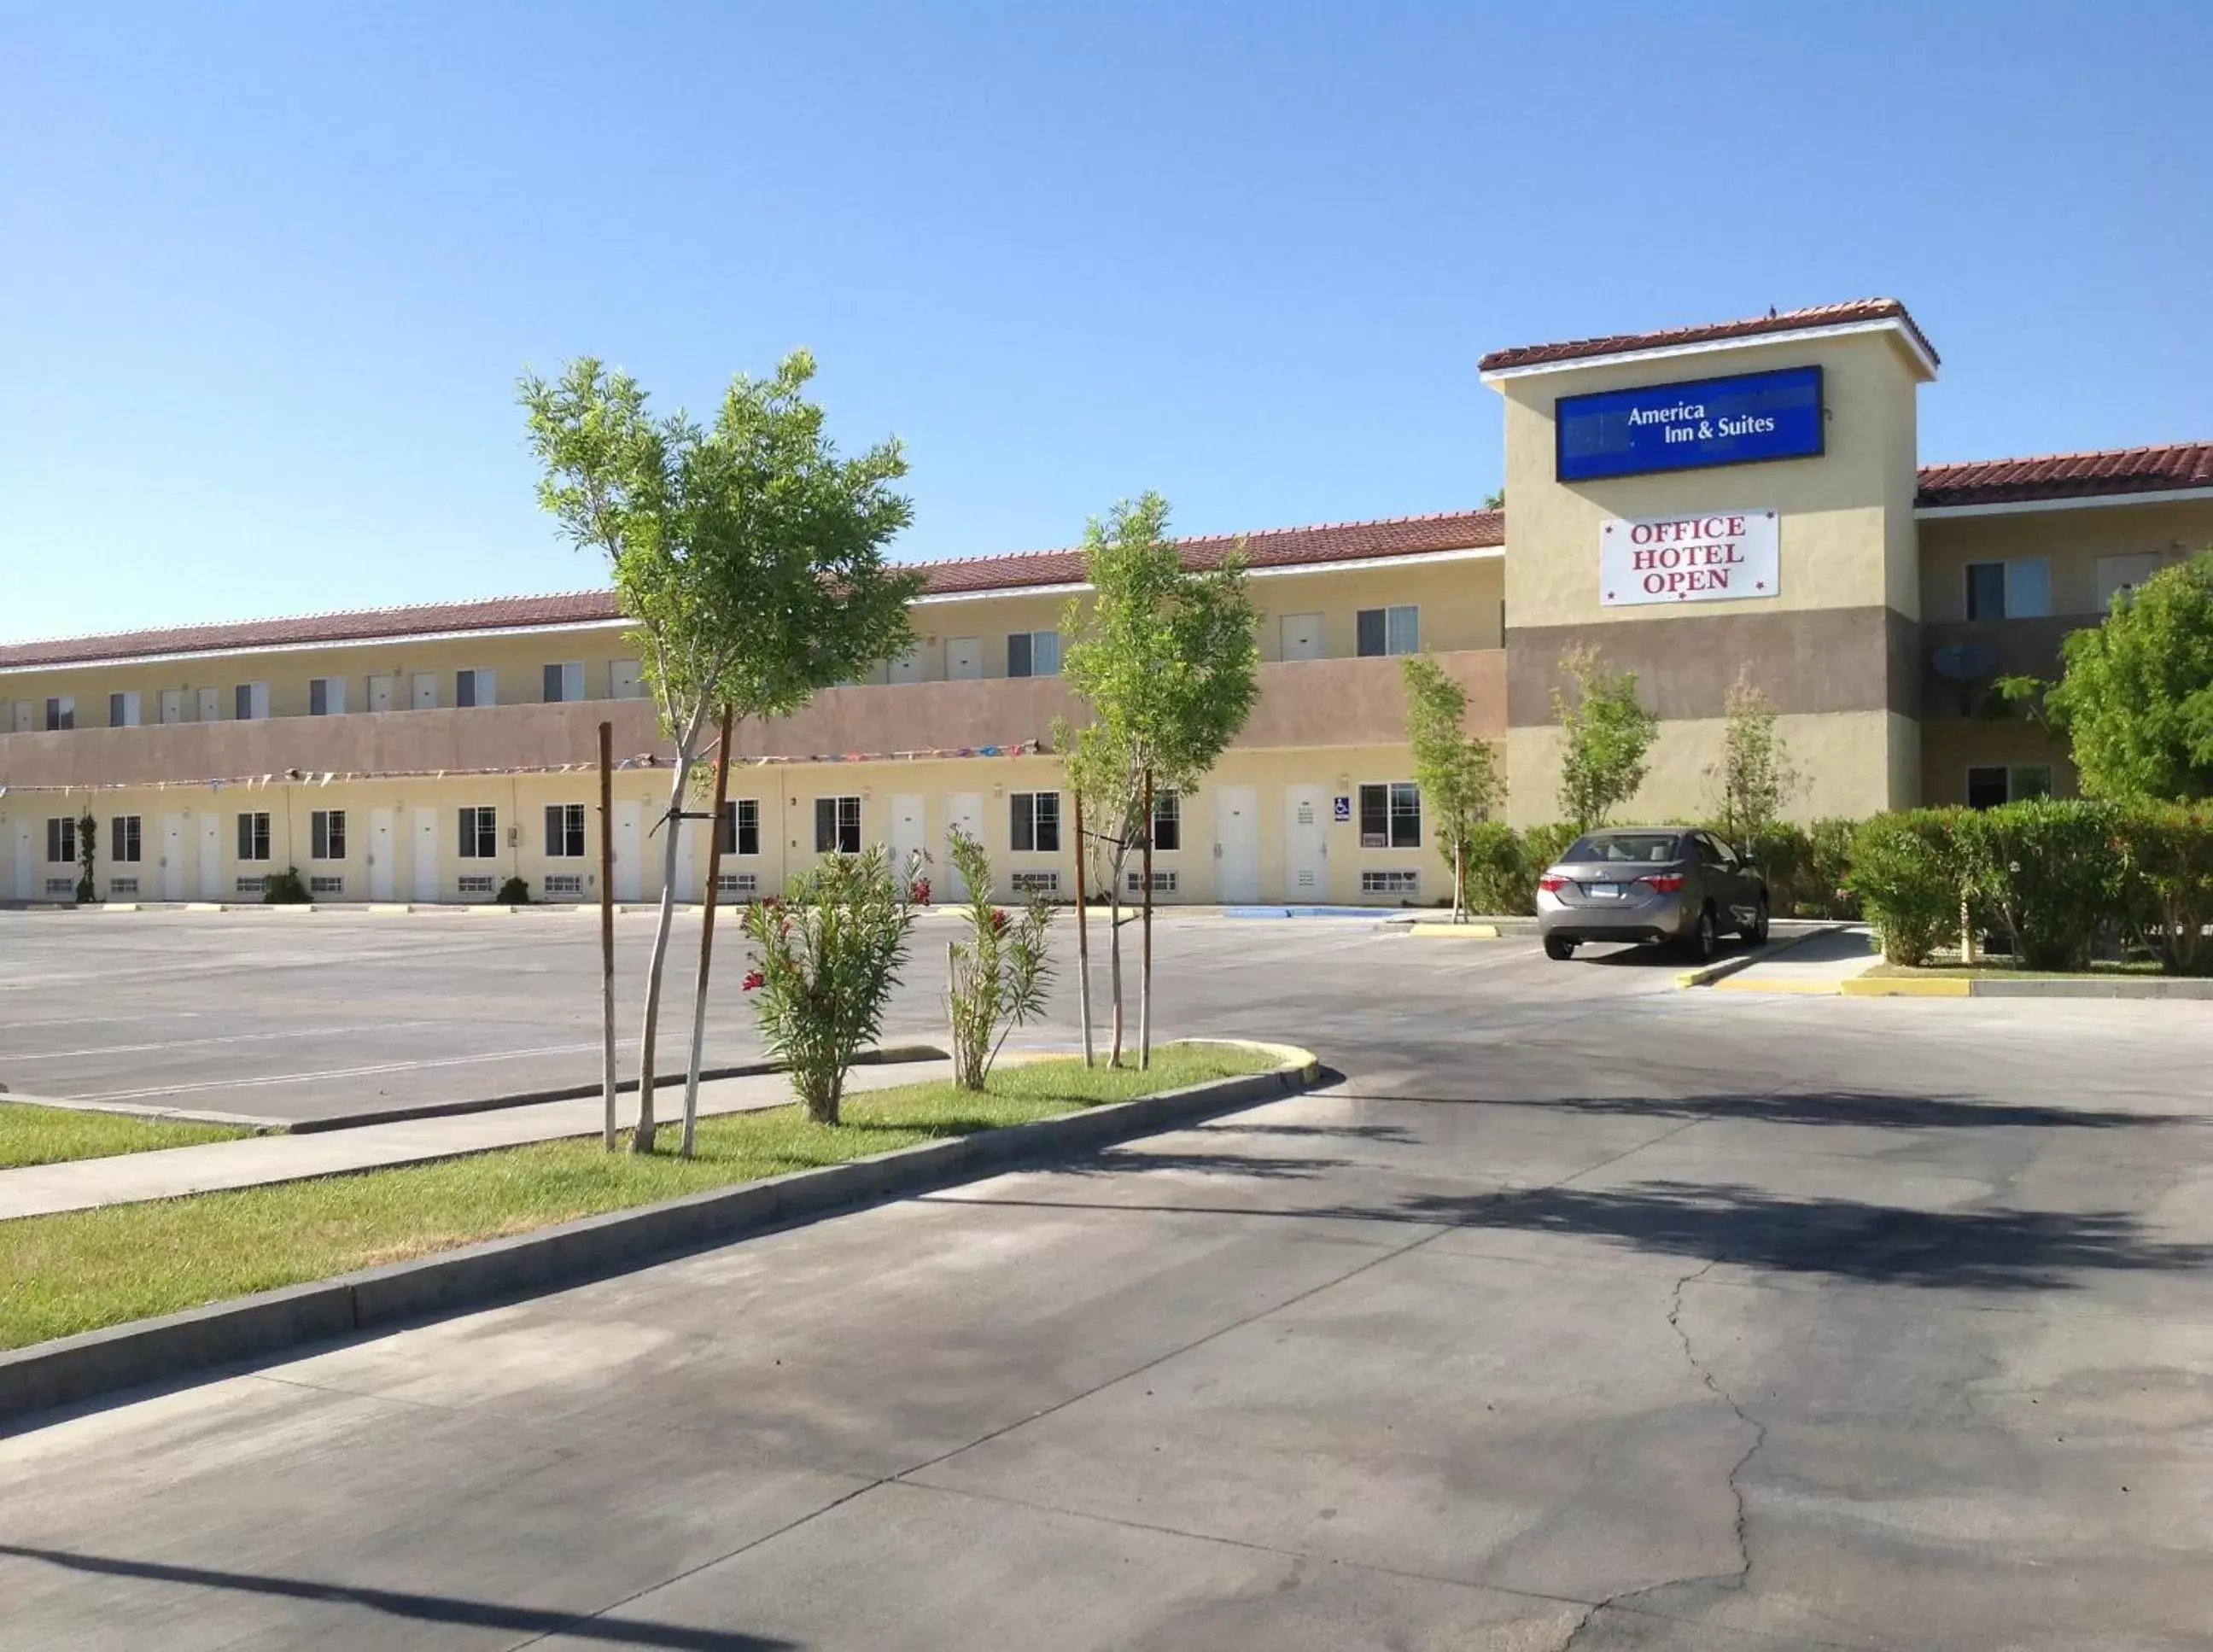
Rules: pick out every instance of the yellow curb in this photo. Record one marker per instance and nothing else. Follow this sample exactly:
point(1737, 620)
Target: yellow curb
point(388, 908)
point(490, 908)
point(1462, 932)
point(119, 906)
point(202, 906)
point(1736, 984)
point(1895, 986)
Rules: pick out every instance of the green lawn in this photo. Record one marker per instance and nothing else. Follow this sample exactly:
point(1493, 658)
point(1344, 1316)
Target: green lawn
point(63, 1274)
point(30, 1134)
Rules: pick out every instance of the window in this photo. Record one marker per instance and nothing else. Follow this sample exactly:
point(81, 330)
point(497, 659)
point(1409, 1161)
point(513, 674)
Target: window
point(61, 840)
point(565, 831)
point(738, 883)
point(1035, 883)
point(327, 834)
point(256, 887)
point(1391, 816)
point(565, 681)
point(1033, 654)
point(324, 883)
point(740, 826)
point(475, 883)
point(64, 886)
point(249, 702)
point(479, 834)
point(1390, 631)
point(837, 826)
point(1627, 848)
point(125, 839)
point(326, 696)
point(122, 886)
point(564, 885)
point(61, 712)
point(1390, 883)
point(1991, 785)
point(123, 710)
point(253, 837)
point(1164, 883)
point(475, 688)
point(1168, 822)
point(2019, 589)
point(2119, 574)
point(1035, 826)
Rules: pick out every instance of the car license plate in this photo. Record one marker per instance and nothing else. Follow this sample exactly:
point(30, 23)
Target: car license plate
point(1606, 891)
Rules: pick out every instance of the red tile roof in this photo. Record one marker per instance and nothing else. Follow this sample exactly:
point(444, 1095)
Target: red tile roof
point(1279, 547)
point(2068, 475)
point(1820, 316)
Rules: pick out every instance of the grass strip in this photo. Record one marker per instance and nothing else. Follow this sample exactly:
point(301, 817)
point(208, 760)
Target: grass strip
point(81, 1270)
point(30, 1134)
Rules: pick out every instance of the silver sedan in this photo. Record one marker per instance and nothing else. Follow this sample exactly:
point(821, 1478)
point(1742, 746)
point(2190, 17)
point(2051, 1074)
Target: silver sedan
point(1676, 884)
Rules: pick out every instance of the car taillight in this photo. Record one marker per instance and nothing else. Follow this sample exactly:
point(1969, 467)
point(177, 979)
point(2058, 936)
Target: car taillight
point(1666, 883)
point(1552, 883)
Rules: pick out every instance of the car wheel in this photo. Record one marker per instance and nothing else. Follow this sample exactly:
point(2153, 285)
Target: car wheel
point(1558, 950)
point(1705, 938)
point(1756, 931)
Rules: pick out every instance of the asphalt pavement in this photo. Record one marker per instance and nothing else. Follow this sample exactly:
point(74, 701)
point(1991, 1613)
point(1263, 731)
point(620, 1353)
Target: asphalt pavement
point(1581, 1312)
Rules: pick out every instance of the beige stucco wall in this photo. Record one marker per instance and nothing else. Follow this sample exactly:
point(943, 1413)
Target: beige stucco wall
point(1849, 762)
point(2070, 540)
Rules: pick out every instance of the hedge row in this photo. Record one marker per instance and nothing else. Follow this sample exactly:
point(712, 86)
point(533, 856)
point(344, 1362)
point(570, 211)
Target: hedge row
point(1805, 866)
point(2058, 877)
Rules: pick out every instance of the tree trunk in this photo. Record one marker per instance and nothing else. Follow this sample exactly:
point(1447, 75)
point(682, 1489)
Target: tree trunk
point(1460, 879)
point(607, 927)
point(1145, 965)
point(1114, 960)
point(1082, 939)
point(640, 1140)
point(706, 938)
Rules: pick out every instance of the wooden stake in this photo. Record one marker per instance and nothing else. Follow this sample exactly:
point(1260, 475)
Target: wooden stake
point(607, 925)
point(1082, 939)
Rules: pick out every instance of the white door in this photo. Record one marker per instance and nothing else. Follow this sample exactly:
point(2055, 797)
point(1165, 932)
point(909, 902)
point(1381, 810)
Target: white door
point(691, 879)
point(1236, 847)
point(623, 682)
point(426, 854)
point(210, 708)
point(964, 658)
point(425, 688)
point(964, 810)
point(172, 705)
point(173, 858)
point(908, 838)
point(1305, 844)
point(907, 667)
point(381, 853)
point(379, 693)
point(25, 871)
point(628, 885)
point(210, 881)
point(1303, 637)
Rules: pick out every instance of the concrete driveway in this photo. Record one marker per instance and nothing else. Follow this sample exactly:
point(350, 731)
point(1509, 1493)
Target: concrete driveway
point(1586, 1316)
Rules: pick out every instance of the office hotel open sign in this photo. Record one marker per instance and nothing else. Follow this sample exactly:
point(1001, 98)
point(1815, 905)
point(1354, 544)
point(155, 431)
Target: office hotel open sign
point(1713, 557)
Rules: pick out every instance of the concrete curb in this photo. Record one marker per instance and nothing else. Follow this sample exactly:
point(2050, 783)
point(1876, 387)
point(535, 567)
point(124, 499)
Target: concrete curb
point(1970, 986)
point(1708, 974)
point(177, 1345)
point(1454, 931)
point(152, 1115)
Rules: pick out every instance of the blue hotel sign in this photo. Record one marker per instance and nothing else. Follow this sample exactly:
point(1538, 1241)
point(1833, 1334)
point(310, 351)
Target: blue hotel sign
point(1688, 426)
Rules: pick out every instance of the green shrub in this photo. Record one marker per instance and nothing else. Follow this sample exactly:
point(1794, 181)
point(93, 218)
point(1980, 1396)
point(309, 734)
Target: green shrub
point(1824, 885)
point(515, 892)
point(1783, 852)
point(2046, 872)
point(1540, 847)
point(2166, 883)
point(284, 888)
point(1496, 880)
point(1905, 876)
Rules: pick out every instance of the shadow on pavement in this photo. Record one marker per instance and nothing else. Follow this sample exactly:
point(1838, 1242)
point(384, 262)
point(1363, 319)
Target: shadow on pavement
point(422, 1608)
point(1873, 1108)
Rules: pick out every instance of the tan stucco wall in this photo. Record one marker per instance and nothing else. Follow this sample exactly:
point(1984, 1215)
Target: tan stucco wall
point(2070, 540)
point(1849, 762)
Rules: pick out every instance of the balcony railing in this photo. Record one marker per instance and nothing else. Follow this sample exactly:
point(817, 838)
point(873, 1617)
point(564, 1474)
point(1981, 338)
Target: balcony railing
point(1356, 702)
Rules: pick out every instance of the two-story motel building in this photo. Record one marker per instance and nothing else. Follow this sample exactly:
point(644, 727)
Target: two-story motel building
point(1694, 503)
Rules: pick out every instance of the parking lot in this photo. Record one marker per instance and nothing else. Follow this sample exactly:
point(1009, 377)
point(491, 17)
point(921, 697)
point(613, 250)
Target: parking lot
point(1576, 1311)
point(298, 1015)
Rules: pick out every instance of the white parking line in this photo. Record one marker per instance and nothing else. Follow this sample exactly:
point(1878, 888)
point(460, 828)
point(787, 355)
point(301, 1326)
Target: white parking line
point(188, 1043)
point(340, 1072)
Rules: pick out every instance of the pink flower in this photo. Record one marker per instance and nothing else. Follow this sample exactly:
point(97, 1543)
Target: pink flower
point(919, 893)
point(998, 921)
point(754, 979)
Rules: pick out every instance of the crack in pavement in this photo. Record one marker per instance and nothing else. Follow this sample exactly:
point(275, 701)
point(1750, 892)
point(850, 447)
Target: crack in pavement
point(1732, 1580)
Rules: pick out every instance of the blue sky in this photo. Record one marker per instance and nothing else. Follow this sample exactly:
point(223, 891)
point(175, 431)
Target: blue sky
point(267, 274)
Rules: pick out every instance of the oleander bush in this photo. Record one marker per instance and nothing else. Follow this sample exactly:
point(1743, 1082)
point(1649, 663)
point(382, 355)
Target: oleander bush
point(1497, 880)
point(1906, 876)
point(1823, 884)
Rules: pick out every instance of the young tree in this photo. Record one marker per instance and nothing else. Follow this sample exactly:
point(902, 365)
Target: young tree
point(2136, 696)
point(1753, 777)
point(749, 555)
point(996, 979)
point(1457, 771)
point(1167, 661)
point(1605, 733)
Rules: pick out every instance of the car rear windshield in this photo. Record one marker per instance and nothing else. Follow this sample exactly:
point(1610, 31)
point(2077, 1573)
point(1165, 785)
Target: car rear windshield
point(1646, 848)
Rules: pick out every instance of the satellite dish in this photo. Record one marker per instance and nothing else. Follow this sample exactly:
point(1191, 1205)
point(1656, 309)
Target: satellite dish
point(1965, 662)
